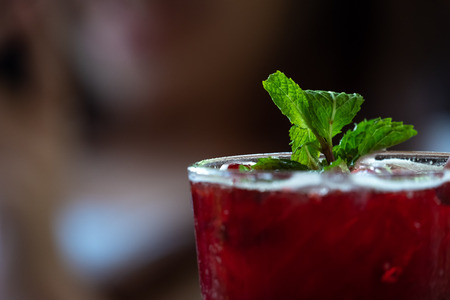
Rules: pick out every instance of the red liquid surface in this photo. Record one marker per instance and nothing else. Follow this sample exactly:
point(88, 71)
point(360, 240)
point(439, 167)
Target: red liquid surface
point(361, 244)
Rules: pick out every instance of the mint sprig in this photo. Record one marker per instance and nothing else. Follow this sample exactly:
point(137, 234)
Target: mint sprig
point(318, 116)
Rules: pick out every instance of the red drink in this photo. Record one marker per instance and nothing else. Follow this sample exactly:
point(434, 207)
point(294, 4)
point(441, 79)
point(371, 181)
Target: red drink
point(303, 235)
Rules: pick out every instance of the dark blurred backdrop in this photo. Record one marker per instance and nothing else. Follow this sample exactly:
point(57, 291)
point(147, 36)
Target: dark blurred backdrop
point(116, 98)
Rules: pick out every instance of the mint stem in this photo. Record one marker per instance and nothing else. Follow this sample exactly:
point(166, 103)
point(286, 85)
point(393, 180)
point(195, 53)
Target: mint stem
point(326, 148)
point(329, 156)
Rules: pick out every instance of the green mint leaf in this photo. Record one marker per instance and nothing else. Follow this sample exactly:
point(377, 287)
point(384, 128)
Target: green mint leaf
point(329, 112)
point(305, 147)
point(372, 135)
point(271, 163)
point(339, 165)
point(244, 168)
point(288, 96)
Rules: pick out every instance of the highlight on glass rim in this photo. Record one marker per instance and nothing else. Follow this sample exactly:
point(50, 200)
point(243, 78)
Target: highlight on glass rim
point(332, 219)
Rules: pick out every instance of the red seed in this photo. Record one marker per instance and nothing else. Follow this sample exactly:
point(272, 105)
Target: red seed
point(392, 275)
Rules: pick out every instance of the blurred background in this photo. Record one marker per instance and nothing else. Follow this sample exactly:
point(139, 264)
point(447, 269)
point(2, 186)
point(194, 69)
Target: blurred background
point(104, 103)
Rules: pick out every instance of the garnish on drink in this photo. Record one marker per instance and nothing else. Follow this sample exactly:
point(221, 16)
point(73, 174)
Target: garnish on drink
point(317, 117)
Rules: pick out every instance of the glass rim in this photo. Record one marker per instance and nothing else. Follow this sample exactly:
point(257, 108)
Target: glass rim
point(205, 164)
point(208, 170)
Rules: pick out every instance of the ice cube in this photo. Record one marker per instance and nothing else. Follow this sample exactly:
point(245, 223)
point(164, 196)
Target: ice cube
point(393, 162)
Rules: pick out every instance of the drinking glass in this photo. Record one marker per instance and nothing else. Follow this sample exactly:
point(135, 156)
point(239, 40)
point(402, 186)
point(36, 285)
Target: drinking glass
point(380, 232)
